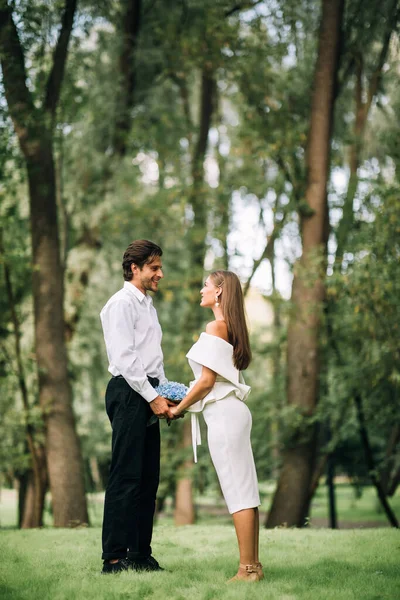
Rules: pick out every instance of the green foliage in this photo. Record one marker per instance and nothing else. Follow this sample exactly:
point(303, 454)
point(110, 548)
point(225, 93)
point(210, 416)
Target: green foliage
point(263, 59)
point(363, 313)
point(16, 262)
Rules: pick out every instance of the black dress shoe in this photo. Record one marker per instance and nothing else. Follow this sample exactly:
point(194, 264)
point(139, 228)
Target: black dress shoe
point(123, 564)
point(146, 564)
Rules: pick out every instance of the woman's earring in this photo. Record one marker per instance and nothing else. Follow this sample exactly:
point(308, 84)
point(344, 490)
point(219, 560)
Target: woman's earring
point(216, 301)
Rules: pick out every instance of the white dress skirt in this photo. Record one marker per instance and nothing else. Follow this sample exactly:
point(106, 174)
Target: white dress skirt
point(228, 422)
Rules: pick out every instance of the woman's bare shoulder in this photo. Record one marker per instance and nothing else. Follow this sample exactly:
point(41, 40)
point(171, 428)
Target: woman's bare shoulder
point(218, 328)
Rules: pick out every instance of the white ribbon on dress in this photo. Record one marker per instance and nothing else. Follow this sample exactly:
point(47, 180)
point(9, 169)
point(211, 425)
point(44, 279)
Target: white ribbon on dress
point(196, 434)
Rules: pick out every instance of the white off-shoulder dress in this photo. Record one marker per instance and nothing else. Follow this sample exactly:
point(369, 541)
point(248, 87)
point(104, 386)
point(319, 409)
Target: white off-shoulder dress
point(228, 422)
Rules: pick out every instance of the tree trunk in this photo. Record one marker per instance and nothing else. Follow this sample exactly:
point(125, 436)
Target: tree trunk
point(64, 459)
point(330, 482)
point(32, 502)
point(34, 128)
point(95, 473)
point(22, 488)
point(290, 503)
point(391, 475)
point(276, 365)
point(184, 510)
point(128, 29)
point(198, 200)
point(361, 114)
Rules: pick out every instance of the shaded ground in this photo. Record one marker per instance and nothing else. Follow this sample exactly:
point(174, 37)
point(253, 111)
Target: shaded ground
point(355, 509)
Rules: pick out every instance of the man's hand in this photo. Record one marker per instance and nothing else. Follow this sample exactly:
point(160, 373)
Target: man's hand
point(161, 408)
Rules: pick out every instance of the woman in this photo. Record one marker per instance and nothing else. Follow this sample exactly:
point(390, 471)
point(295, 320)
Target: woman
point(219, 392)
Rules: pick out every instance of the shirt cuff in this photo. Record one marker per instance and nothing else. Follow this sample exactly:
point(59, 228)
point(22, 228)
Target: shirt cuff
point(148, 392)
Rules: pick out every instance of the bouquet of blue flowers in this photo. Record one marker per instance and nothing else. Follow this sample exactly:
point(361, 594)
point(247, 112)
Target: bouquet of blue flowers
point(172, 390)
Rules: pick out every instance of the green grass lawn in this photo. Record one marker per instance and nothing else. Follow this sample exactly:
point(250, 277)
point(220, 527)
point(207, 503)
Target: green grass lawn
point(365, 509)
point(61, 564)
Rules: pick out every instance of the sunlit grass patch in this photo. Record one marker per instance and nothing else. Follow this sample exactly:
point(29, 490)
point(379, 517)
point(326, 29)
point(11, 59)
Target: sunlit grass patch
point(60, 564)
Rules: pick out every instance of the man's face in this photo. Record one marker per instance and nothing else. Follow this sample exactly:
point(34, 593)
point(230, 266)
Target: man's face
point(146, 279)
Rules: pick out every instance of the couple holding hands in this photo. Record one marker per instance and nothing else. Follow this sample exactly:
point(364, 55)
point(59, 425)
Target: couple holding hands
point(132, 336)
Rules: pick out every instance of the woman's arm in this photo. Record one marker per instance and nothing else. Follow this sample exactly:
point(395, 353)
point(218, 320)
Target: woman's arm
point(199, 391)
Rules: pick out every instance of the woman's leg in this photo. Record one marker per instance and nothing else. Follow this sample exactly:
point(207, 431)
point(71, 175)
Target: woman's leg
point(245, 525)
point(256, 535)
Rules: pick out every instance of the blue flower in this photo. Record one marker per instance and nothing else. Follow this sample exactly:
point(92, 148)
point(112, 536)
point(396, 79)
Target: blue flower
point(172, 390)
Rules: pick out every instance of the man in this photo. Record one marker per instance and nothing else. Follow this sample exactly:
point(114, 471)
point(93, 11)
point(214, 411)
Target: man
point(132, 335)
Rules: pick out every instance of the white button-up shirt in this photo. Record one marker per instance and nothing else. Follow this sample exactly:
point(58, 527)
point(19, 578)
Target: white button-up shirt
point(133, 339)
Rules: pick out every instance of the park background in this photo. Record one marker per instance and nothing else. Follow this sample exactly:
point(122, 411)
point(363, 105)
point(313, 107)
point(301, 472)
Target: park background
point(259, 136)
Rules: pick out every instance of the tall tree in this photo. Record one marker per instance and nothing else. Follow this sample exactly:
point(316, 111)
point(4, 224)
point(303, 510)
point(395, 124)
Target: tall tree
point(34, 126)
point(290, 502)
point(382, 23)
point(129, 30)
point(184, 511)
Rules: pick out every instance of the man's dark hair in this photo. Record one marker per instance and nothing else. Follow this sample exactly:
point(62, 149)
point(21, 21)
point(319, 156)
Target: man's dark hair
point(139, 252)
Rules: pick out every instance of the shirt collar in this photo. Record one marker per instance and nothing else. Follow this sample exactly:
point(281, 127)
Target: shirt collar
point(137, 293)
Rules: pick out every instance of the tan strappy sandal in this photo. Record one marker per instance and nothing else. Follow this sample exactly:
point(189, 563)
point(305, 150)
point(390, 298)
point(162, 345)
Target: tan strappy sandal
point(258, 568)
point(246, 573)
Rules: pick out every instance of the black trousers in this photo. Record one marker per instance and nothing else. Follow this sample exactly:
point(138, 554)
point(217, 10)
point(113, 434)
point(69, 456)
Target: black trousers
point(130, 498)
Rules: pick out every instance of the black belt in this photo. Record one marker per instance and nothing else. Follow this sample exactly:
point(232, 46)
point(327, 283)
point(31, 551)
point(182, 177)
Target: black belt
point(152, 380)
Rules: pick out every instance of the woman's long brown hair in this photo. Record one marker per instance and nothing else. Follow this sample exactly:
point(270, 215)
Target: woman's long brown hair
point(232, 306)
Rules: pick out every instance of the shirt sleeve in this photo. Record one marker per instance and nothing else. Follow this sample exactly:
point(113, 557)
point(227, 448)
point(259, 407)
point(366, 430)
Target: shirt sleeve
point(160, 374)
point(119, 335)
point(162, 377)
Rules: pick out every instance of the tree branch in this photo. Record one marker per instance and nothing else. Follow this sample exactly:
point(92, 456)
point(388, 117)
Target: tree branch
point(18, 96)
point(181, 83)
point(392, 20)
point(207, 106)
point(242, 6)
point(56, 75)
point(292, 180)
point(278, 226)
point(371, 463)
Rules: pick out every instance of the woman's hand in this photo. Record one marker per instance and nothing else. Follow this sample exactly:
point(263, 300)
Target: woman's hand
point(175, 411)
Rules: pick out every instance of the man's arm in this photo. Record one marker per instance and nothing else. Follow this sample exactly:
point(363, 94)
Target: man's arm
point(119, 334)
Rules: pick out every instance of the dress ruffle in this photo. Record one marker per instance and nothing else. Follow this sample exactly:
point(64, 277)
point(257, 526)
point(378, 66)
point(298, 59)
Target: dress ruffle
point(216, 354)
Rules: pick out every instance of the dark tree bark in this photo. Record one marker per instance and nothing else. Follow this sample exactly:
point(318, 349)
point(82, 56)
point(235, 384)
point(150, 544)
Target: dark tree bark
point(34, 128)
point(197, 198)
point(330, 482)
point(32, 502)
point(290, 502)
point(129, 31)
